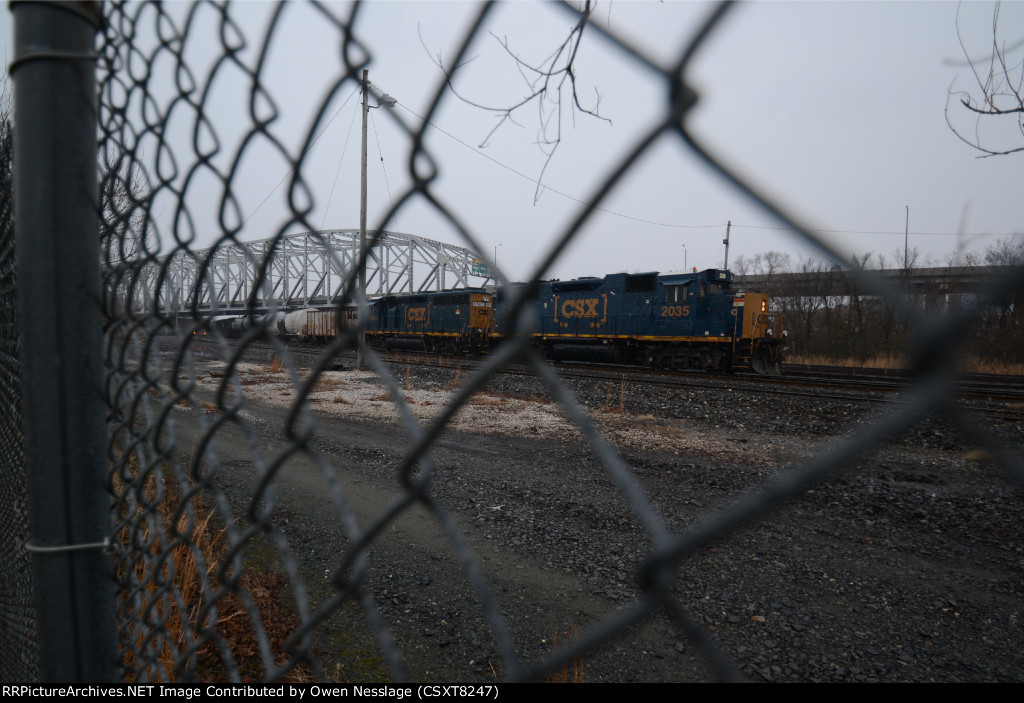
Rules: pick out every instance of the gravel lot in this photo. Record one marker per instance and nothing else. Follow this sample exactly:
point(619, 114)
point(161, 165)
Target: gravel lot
point(905, 567)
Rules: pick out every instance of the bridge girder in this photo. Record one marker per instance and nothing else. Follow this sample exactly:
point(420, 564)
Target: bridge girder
point(306, 269)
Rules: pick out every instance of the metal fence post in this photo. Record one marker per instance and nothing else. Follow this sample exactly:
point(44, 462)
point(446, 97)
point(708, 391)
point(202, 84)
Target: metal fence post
point(59, 306)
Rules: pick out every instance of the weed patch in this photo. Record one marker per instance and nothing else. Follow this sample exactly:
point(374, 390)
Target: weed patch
point(572, 671)
point(177, 620)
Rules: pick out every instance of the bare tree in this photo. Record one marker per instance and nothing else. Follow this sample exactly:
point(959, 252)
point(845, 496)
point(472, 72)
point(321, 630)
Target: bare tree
point(1007, 251)
point(126, 230)
point(6, 145)
point(6, 176)
point(741, 265)
point(550, 86)
point(769, 263)
point(803, 305)
point(906, 259)
point(968, 258)
point(997, 99)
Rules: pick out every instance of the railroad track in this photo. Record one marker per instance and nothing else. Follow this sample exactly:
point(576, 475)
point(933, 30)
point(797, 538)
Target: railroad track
point(1002, 396)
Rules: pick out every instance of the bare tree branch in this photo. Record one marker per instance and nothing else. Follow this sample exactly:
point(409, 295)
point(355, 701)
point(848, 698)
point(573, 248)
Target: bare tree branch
point(549, 84)
point(999, 97)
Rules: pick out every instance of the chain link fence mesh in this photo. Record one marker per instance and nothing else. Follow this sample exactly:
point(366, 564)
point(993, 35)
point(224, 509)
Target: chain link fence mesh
point(18, 651)
point(214, 585)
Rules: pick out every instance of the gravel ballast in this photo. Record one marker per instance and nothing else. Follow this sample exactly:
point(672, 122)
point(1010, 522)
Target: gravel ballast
point(905, 566)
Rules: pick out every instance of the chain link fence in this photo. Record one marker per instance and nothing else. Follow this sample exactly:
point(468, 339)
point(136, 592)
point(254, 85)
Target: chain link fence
point(18, 652)
point(215, 585)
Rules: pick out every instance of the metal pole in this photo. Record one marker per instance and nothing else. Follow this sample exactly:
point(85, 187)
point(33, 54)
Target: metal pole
point(725, 241)
point(59, 309)
point(360, 357)
point(906, 240)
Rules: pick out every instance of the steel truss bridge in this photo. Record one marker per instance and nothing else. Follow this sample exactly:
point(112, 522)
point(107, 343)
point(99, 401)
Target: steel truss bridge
point(307, 269)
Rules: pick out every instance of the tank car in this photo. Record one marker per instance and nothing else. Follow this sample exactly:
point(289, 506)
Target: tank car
point(231, 326)
point(311, 325)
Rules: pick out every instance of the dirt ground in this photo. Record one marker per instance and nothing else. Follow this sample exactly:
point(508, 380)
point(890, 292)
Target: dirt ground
point(905, 567)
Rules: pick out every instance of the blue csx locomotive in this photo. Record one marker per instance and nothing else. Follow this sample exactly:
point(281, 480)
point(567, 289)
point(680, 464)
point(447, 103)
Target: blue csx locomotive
point(679, 320)
point(684, 320)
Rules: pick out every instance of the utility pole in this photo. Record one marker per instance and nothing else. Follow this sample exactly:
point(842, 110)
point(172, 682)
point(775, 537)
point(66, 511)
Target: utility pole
point(725, 241)
point(360, 356)
point(906, 239)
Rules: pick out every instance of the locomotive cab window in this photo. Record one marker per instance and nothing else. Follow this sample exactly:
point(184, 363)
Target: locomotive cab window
point(675, 294)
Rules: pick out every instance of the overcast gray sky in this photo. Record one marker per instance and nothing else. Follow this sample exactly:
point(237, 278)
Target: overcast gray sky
point(834, 108)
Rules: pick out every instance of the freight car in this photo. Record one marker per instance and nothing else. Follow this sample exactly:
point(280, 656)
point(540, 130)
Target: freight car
point(231, 326)
point(310, 325)
point(684, 320)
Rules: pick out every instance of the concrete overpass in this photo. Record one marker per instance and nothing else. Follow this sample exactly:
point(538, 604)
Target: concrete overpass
point(956, 280)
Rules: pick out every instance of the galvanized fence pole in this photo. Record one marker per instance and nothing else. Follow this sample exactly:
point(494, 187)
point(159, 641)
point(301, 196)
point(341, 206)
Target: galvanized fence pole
point(56, 205)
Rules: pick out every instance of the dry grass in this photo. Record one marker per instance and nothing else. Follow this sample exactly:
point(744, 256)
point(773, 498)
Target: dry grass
point(324, 385)
point(497, 398)
point(973, 364)
point(457, 381)
point(181, 570)
point(968, 364)
point(167, 393)
point(607, 407)
point(386, 398)
point(980, 455)
point(196, 549)
point(262, 375)
point(885, 361)
point(488, 400)
point(571, 672)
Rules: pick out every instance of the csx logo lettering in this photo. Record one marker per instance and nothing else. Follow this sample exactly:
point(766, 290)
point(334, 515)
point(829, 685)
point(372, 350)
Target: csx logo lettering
point(416, 315)
point(580, 308)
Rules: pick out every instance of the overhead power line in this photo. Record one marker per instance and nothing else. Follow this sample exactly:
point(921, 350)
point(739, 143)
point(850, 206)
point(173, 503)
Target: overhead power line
point(536, 182)
point(900, 233)
point(553, 190)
